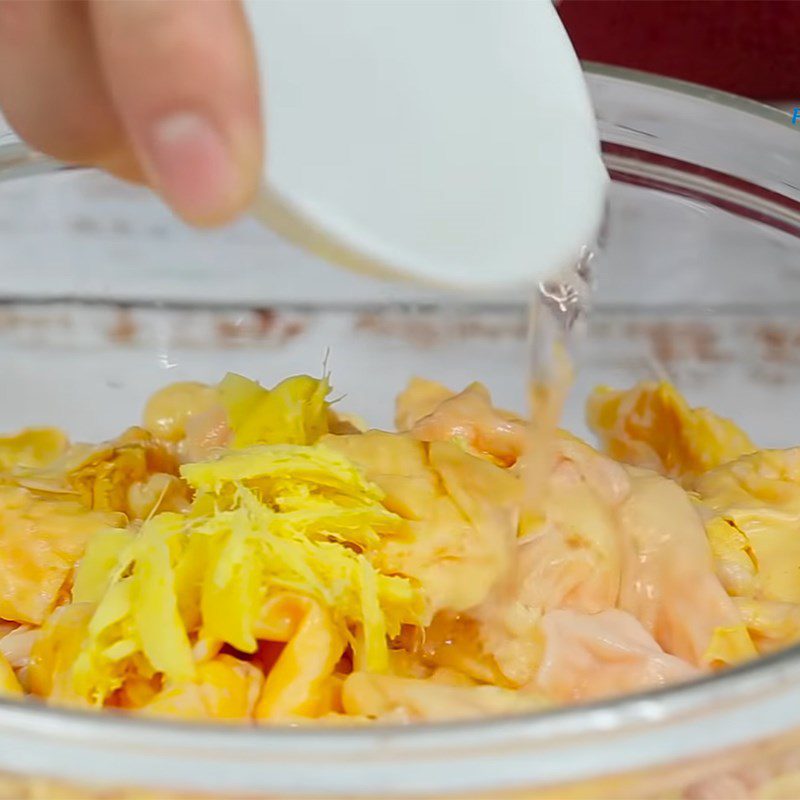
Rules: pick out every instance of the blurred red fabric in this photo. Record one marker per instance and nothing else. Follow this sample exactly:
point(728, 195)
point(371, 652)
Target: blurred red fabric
point(750, 47)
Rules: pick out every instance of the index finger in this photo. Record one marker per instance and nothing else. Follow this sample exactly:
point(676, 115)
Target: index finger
point(183, 79)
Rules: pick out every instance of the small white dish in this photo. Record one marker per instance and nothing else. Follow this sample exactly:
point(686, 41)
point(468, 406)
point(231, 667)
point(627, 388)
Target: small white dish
point(451, 142)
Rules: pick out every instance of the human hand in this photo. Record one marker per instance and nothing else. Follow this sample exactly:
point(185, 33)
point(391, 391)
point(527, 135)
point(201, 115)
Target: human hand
point(163, 92)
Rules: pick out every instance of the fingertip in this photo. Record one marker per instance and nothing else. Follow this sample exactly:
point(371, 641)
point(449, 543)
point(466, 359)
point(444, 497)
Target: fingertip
point(207, 175)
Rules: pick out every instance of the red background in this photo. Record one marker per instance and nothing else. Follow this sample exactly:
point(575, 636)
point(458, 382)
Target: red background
point(750, 47)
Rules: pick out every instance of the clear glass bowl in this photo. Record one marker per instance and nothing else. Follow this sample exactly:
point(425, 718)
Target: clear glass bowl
point(104, 298)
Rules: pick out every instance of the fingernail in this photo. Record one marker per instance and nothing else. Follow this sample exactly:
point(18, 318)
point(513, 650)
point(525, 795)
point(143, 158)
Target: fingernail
point(193, 167)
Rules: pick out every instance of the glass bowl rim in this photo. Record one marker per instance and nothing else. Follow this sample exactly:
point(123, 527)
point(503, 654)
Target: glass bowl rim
point(17, 159)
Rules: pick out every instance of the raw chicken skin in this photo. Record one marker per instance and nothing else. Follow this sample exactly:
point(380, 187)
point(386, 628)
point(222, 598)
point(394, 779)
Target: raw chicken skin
point(752, 507)
point(652, 426)
point(415, 700)
point(419, 399)
point(613, 538)
point(590, 656)
point(461, 512)
point(41, 538)
point(224, 689)
point(467, 417)
point(668, 578)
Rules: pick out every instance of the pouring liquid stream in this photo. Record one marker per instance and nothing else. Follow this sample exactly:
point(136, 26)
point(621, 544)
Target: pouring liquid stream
point(556, 323)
